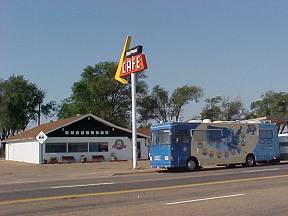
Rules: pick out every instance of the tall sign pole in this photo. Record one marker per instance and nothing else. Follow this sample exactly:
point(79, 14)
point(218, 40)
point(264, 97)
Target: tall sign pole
point(134, 127)
point(131, 61)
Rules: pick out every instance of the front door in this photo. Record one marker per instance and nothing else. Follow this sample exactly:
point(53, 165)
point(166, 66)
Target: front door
point(181, 150)
point(139, 150)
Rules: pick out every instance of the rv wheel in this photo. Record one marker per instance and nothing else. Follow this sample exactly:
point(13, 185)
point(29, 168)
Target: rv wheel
point(250, 160)
point(192, 164)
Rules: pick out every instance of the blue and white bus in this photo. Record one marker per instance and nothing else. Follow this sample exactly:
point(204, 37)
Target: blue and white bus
point(194, 145)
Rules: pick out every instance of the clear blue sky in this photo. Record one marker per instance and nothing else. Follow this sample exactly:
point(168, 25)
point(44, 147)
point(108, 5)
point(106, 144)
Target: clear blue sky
point(229, 48)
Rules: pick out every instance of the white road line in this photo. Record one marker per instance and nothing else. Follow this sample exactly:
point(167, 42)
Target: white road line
point(82, 185)
point(262, 170)
point(204, 199)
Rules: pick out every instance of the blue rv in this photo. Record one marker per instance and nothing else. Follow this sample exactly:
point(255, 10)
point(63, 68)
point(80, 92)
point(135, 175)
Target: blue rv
point(194, 145)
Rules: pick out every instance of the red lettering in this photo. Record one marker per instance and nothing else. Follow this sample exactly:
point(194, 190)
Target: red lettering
point(133, 65)
point(124, 68)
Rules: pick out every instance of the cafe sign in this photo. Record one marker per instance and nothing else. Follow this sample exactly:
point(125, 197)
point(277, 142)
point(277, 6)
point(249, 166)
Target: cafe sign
point(133, 65)
point(131, 61)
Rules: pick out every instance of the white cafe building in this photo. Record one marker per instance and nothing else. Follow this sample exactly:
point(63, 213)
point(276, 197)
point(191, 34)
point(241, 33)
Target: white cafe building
point(76, 139)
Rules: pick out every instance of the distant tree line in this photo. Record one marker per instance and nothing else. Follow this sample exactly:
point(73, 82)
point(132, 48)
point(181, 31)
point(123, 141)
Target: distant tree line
point(272, 104)
point(98, 93)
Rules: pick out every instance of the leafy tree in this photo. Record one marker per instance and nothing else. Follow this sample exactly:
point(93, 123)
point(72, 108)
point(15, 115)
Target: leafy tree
point(182, 96)
point(155, 105)
point(158, 106)
point(212, 109)
point(19, 102)
point(232, 109)
point(273, 104)
point(98, 93)
point(223, 108)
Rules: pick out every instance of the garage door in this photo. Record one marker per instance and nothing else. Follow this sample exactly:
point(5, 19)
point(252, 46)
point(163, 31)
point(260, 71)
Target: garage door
point(25, 152)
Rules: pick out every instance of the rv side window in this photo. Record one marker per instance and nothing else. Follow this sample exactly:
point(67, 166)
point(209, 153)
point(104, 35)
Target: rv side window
point(199, 135)
point(214, 135)
point(182, 137)
point(161, 137)
point(207, 135)
point(265, 134)
point(283, 143)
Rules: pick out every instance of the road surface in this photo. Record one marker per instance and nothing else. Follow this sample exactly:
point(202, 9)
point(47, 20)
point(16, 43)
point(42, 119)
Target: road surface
point(261, 190)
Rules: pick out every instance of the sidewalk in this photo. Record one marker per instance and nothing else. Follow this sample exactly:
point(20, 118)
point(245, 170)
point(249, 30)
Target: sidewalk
point(18, 172)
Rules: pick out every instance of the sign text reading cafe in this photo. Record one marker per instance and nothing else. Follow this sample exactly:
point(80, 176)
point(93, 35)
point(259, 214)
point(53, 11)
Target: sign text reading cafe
point(135, 61)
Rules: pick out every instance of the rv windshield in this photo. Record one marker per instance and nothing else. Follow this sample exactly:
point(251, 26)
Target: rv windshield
point(161, 137)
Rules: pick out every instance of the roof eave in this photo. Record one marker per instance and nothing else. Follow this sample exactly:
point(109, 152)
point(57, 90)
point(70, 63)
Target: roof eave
point(21, 139)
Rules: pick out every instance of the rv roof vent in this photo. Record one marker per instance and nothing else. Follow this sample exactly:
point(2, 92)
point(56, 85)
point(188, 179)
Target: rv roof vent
point(218, 121)
point(206, 121)
point(253, 121)
point(195, 121)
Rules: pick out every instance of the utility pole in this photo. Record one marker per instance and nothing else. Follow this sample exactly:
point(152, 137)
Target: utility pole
point(39, 113)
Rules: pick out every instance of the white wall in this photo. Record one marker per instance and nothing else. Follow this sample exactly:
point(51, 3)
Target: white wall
point(121, 154)
point(24, 152)
point(144, 149)
point(283, 139)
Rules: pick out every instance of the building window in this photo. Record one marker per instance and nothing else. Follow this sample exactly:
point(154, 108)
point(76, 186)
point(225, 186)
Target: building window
point(106, 132)
point(97, 132)
point(82, 132)
point(77, 147)
point(55, 147)
point(98, 147)
point(72, 132)
point(102, 132)
point(77, 132)
point(66, 132)
point(92, 132)
point(87, 132)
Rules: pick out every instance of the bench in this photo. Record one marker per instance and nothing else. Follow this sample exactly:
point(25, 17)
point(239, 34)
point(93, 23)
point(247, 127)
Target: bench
point(52, 160)
point(97, 158)
point(68, 159)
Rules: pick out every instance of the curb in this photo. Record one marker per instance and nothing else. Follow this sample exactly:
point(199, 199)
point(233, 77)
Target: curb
point(134, 172)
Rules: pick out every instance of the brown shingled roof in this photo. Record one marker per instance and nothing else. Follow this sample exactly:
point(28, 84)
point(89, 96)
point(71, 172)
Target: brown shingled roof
point(33, 132)
point(51, 126)
point(145, 131)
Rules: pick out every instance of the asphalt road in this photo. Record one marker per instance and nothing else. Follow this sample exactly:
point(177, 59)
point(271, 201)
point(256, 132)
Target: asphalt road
point(261, 190)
